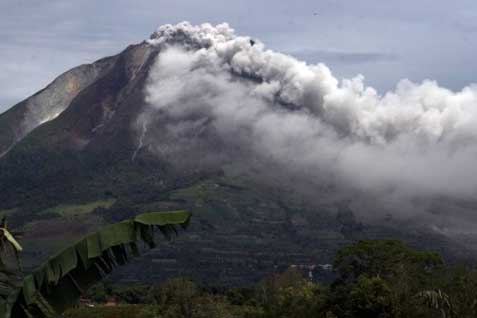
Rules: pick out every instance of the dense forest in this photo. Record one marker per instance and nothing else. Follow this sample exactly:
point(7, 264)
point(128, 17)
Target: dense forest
point(382, 278)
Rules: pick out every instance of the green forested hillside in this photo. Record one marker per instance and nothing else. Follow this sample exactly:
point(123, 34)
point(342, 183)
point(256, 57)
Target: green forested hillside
point(384, 279)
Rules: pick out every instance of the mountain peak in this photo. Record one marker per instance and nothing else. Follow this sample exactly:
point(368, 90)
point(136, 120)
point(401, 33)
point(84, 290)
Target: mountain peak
point(196, 36)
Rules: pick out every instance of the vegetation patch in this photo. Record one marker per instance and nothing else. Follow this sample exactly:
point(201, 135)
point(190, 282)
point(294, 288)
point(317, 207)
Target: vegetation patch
point(125, 311)
point(374, 279)
point(7, 212)
point(68, 210)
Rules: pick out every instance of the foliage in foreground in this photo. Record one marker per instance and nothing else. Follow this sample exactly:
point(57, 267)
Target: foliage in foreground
point(383, 279)
point(59, 283)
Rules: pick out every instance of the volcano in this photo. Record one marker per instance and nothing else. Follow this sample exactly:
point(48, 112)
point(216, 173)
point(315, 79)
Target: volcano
point(167, 124)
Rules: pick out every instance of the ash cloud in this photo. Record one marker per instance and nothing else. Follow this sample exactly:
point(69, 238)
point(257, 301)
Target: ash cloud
point(419, 140)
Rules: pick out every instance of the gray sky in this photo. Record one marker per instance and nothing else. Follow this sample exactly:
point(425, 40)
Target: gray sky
point(383, 40)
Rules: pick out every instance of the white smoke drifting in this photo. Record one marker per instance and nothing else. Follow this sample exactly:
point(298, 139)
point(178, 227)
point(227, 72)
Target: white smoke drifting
point(419, 139)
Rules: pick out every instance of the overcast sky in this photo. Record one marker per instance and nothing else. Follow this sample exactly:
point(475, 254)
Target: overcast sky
point(383, 40)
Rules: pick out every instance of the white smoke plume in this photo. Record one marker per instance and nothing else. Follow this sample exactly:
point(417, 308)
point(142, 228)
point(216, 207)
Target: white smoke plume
point(418, 139)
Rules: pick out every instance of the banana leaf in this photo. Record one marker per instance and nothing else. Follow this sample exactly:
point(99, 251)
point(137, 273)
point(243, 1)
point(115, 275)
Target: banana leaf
point(60, 281)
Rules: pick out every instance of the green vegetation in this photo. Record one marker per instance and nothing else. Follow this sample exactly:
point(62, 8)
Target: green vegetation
point(6, 212)
point(68, 210)
point(125, 311)
point(374, 279)
point(60, 281)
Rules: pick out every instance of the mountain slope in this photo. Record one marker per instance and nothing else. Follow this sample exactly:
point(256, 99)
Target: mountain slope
point(90, 135)
point(117, 137)
point(45, 105)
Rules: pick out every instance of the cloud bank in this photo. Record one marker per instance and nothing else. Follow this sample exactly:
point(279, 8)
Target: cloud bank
point(420, 139)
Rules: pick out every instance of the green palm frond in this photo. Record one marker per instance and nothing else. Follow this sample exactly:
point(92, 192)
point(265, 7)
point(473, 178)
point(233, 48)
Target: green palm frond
point(60, 281)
